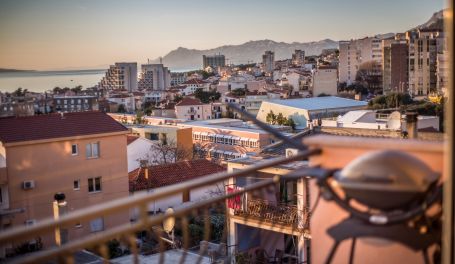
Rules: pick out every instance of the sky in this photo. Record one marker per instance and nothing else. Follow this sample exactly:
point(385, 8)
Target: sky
point(91, 34)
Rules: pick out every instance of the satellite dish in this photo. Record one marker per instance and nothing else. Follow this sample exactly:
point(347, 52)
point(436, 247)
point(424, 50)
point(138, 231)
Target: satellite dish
point(169, 223)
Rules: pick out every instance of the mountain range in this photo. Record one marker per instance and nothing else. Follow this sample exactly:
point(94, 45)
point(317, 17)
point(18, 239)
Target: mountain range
point(251, 51)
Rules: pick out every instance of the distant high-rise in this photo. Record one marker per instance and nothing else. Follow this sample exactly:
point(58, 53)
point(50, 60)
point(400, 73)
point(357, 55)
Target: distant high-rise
point(268, 61)
point(213, 61)
point(154, 77)
point(423, 51)
point(354, 53)
point(394, 65)
point(121, 75)
point(298, 58)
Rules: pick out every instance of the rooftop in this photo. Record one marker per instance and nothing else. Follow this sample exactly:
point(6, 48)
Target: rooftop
point(168, 174)
point(319, 103)
point(189, 101)
point(38, 127)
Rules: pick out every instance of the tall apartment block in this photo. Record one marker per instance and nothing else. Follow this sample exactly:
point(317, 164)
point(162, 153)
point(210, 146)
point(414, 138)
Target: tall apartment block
point(121, 75)
point(422, 62)
point(213, 61)
point(154, 77)
point(394, 65)
point(268, 61)
point(354, 53)
point(298, 58)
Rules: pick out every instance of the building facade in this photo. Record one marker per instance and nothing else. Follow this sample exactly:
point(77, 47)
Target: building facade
point(75, 103)
point(394, 66)
point(325, 81)
point(193, 109)
point(268, 61)
point(120, 76)
point(298, 58)
point(154, 77)
point(81, 154)
point(213, 61)
point(354, 53)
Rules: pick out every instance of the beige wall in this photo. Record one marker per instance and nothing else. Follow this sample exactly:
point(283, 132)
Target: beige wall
point(325, 81)
point(53, 168)
point(201, 112)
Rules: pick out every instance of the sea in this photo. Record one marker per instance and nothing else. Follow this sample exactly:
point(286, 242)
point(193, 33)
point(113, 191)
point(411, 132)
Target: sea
point(41, 81)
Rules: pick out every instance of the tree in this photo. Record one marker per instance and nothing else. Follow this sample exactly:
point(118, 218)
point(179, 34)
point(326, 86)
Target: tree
point(77, 89)
point(166, 151)
point(121, 108)
point(140, 118)
point(238, 92)
point(271, 118)
point(19, 92)
point(178, 98)
point(280, 119)
point(290, 122)
point(206, 97)
point(323, 95)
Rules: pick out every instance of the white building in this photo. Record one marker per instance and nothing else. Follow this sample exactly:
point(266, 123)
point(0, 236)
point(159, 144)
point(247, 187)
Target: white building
point(192, 85)
point(193, 109)
point(155, 77)
point(354, 53)
point(121, 76)
point(304, 110)
point(325, 81)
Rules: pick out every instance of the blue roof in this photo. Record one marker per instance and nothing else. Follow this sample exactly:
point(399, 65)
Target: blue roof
point(320, 103)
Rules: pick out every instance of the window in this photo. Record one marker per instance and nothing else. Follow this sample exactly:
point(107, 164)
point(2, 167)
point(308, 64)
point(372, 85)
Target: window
point(77, 185)
point(154, 136)
point(94, 184)
point(92, 150)
point(97, 225)
point(74, 150)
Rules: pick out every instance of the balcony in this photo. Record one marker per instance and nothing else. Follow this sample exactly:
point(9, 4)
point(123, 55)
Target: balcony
point(269, 212)
point(192, 111)
point(195, 221)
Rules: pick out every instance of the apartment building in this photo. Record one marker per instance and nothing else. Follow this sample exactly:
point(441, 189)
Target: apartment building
point(213, 61)
point(325, 80)
point(422, 62)
point(193, 109)
point(298, 58)
point(81, 155)
point(16, 108)
point(394, 65)
point(76, 103)
point(354, 53)
point(154, 77)
point(268, 61)
point(120, 76)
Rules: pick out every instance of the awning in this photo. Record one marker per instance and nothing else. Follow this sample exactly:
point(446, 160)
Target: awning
point(244, 139)
point(196, 133)
point(204, 134)
point(236, 138)
point(227, 136)
point(254, 139)
point(219, 151)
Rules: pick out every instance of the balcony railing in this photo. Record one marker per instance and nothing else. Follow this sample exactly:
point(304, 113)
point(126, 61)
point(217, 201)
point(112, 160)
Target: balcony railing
point(270, 212)
point(127, 232)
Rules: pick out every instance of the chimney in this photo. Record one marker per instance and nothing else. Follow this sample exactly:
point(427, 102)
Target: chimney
point(62, 115)
point(146, 173)
point(411, 124)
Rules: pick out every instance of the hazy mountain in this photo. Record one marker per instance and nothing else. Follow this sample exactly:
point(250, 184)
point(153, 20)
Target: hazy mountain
point(435, 22)
point(183, 58)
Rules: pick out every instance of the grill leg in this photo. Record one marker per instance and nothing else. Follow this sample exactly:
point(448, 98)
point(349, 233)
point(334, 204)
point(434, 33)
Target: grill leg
point(332, 252)
point(426, 259)
point(351, 256)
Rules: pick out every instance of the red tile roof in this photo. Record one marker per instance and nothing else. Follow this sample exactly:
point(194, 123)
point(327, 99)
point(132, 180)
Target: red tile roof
point(168, 174)
point(130, 139)
point(16, 129)
point(189, 101)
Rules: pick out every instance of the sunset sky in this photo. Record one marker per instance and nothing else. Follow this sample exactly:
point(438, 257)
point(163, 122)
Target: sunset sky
point(59, 34)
